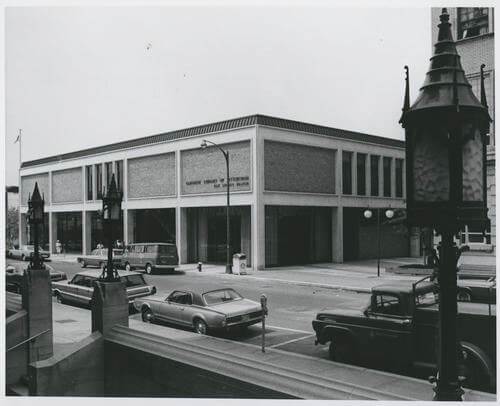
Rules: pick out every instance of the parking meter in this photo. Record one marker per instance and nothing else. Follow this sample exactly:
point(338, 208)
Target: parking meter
point(199, 266)
point(263, 305)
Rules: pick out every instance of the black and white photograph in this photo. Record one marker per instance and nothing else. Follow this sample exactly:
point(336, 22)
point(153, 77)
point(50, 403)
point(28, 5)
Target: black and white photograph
point(227, 201)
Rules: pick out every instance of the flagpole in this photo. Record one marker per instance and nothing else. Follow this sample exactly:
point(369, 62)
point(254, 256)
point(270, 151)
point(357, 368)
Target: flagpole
point(19, 138)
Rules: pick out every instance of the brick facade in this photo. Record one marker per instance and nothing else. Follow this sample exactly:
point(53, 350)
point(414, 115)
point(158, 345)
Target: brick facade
point(152, 176)
point(298, 168)
point(28, 184)
point(204, 170)
point(67, 186)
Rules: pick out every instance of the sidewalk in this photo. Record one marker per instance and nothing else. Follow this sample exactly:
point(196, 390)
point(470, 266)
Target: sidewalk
point(359, 276)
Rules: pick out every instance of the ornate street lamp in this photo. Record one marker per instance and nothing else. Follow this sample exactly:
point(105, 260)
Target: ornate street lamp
point(35, 217)
point(445, 131)
point(226, 156)
point(111, 209)
point(368, 214)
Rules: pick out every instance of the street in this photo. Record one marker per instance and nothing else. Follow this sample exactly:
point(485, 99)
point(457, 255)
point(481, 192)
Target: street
point(291, 308)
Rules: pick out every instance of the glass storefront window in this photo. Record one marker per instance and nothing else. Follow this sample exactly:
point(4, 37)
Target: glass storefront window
point(361, 173)
point(374, 162)
point(387, 176)
point(88, 177)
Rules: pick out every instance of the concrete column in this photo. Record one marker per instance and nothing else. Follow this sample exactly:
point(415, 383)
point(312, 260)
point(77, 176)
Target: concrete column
point(53, 225)
point(354, 174)
point(338, 172)
point(87, 232)
point(125, 226)
point(381, 175)
point(337, 234)
point(368, 175)
point(130, 226)
point(202, 235)
point(393, 177)
point(246, 241)
point(182, 233)
point(109, 306)
point(51, 235)
point(178, 237)
point(37, 301)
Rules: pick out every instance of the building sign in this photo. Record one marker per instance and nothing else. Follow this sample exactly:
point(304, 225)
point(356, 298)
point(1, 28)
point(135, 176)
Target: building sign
point(204, 171)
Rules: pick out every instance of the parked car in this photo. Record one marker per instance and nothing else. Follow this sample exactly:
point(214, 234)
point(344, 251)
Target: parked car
point(477, 290)
point(398, 331)
point(14, 276)
point(25, 252)
point(79, 290)
point(154, 256)
point(99, 258)
point(202, 310)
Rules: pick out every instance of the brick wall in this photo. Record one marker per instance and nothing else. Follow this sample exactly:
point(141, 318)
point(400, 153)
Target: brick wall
point(298, 168)
point(152, 176)
point(67, 186)
point(204, 170)
point(28, 184)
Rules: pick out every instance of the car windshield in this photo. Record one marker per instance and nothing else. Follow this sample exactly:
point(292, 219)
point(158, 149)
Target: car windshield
point(221, 296)
point(133, 280)
point(427, 298)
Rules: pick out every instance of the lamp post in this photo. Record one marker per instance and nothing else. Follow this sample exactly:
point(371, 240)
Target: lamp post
point(445, 131)
point(226, 156)
point(368, 214)
point(35, 217)
point(111, 206)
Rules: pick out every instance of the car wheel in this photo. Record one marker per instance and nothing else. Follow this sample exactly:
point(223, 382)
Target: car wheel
point(147, 315)
point(149, 269)
point(200, 326)
point(342, 350)
point(475, 375)
point(464, 296)
point(59, 298)
point(128, 268)
point(83, 264)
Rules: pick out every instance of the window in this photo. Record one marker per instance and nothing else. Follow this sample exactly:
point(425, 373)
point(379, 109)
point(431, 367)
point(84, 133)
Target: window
point(221, 296)
point(181, 298)
point(387, 176)
point(109, 172)
point(119, 174)
point(88, 170)
point(387, 304)
point(133, 280)
point(374, 160)
point(98, 178)
point(361, 173)
point(472, 21)
point(399, 178)
point(78, 280)
point(346, 173)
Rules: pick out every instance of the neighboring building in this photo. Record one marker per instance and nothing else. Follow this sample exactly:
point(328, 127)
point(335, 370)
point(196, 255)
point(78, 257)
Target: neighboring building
point(473, 30)
point(298, 192)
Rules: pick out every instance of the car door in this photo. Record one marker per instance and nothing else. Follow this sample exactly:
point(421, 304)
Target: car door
point(390, 338)
point(188, 313)
point(172, 310)
point(70, 291)
point(86, 289)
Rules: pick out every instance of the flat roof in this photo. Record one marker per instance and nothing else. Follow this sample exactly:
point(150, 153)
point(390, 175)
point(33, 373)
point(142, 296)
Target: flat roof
point(256, 119)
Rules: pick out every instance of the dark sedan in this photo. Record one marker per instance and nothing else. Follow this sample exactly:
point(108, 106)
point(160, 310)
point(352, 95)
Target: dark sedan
point(14, 276)
point(477, 290)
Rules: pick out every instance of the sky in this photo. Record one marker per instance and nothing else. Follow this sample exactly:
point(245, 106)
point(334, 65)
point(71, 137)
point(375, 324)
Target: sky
point(78, 77)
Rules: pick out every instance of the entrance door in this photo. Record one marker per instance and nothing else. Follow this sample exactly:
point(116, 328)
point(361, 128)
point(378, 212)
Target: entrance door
point(293, 240)
point(216, 250)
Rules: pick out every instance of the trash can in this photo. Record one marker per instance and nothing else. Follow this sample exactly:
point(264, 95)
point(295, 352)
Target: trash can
point(239, 264)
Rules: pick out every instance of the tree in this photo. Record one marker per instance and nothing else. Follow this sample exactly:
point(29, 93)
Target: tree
point(12, 229)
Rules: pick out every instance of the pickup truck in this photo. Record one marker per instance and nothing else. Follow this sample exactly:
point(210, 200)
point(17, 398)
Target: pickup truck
point(398, 331)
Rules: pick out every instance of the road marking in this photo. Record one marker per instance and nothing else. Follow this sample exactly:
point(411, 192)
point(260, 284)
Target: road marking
point(292, 341)
point(289, 329)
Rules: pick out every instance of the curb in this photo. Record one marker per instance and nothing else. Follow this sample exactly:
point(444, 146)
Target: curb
point(356, 289)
